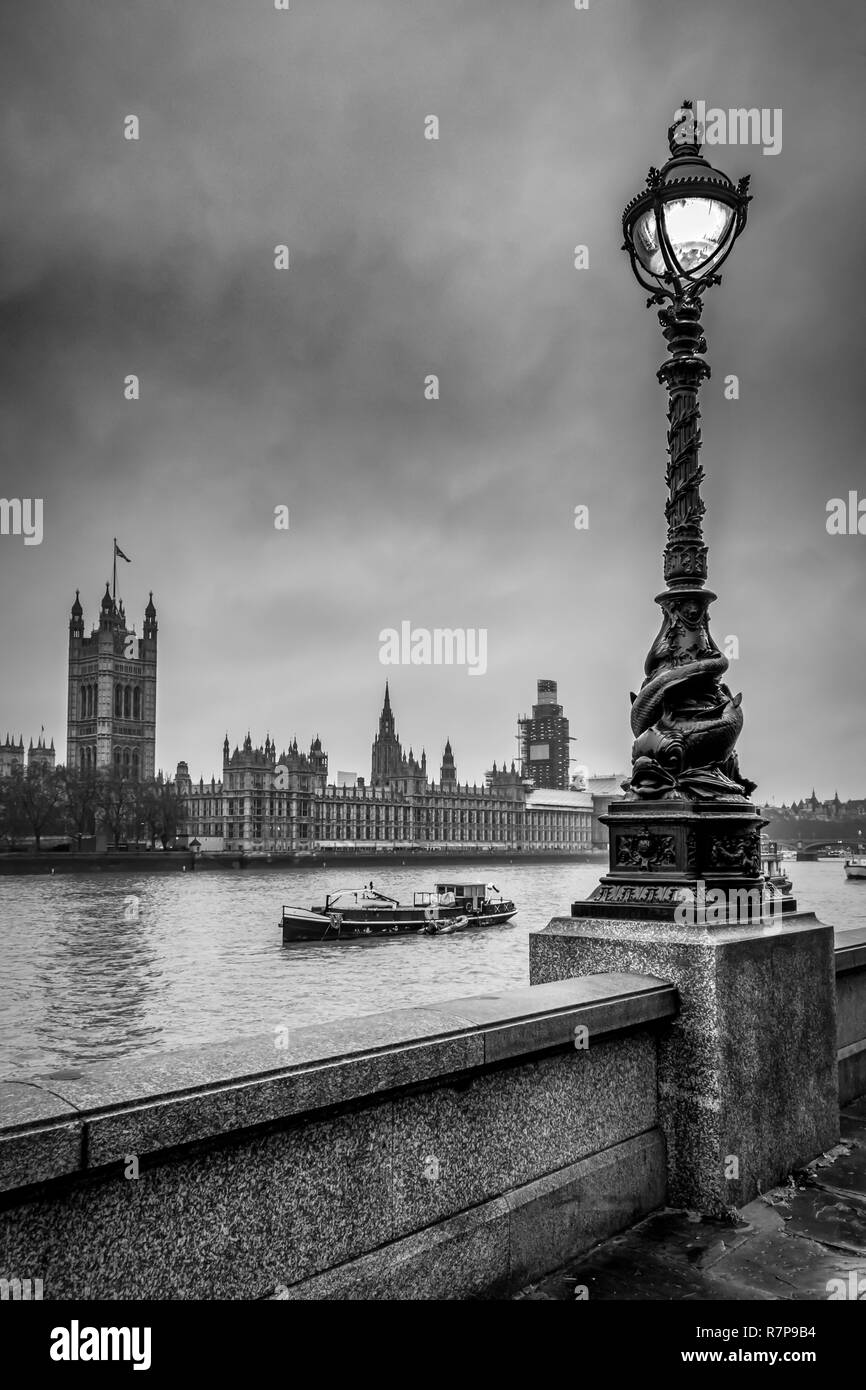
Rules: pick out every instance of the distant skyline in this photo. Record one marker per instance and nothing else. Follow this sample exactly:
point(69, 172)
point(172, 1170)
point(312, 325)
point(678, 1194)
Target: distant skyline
point(361, 765)
point(305, 388)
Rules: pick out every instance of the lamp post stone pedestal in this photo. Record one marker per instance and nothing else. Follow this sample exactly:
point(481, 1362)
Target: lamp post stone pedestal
point(747, 1072)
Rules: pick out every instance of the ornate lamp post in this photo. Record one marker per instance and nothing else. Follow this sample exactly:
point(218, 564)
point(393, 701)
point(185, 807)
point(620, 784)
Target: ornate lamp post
point(749, 1067)
point(686, 819)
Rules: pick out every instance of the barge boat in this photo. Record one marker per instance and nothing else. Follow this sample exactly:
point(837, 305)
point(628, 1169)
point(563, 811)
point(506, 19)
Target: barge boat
point(361, 912)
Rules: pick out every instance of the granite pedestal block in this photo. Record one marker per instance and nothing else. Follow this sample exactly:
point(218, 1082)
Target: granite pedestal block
point(748, 1086)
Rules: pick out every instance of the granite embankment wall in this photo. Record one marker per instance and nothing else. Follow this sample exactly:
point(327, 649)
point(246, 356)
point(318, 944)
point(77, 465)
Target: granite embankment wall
point(111, 862)
point(851, 1012)
point(452, 1151)
point(176, 861)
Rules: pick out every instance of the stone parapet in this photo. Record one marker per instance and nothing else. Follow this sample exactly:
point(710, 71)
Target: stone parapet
point(459, 1149)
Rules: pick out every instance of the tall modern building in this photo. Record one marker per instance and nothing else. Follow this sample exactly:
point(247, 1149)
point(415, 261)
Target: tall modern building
point(111, 714)
point(544, 742)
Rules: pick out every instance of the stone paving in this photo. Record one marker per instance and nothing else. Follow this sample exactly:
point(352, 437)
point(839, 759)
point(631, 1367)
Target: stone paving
point(791, 1243)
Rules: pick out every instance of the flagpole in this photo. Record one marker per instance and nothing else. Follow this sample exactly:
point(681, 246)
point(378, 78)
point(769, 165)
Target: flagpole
point(114, 572)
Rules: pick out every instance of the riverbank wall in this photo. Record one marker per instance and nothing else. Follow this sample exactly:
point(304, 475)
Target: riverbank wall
point(457, 1150)
point(174, 861)
point(453, 1151)
point(59, 862)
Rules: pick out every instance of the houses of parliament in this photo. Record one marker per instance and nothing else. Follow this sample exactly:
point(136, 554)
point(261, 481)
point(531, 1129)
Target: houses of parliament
point(282, 802)
point(270, 802)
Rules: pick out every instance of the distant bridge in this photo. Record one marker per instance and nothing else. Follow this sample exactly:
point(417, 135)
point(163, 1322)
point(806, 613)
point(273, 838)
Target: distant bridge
point(850, 846)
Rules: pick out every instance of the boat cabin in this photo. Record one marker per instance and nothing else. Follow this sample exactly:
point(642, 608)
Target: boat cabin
point(468, 895)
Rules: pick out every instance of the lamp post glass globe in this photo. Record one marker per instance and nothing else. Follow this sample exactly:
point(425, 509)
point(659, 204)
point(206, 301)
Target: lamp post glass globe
point(697, 234)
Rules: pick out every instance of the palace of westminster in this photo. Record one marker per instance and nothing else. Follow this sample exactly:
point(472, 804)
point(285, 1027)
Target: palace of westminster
point(269, 802)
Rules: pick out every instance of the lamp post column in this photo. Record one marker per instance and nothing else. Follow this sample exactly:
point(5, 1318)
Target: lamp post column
point(747, 1074)
point(682, 374)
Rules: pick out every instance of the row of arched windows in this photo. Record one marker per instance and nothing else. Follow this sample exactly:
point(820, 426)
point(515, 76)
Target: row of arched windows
point(87, 701)
point(126, 760)
point(127, 701)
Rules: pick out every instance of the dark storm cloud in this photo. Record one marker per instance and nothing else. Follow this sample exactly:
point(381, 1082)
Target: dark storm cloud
point(411, 257)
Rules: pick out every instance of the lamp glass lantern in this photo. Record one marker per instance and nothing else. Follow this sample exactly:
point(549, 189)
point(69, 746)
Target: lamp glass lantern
point(681, 228)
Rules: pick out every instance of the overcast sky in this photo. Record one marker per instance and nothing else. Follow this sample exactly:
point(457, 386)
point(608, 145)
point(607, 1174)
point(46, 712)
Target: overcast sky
point(408, 256)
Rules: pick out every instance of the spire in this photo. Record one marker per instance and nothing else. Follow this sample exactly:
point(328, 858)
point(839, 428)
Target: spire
point(150, 624)
point(387, 704)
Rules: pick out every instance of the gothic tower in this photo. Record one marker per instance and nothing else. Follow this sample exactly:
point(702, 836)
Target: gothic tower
point(387, 761)
point(111, 713)
point(448, 772)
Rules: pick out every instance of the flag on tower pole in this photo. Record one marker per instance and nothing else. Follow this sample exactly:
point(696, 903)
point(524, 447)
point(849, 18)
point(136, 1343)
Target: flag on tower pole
point(117, 551)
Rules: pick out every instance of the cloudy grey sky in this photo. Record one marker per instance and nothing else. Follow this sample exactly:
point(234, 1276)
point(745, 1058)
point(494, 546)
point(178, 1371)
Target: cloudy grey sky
point(410, 257)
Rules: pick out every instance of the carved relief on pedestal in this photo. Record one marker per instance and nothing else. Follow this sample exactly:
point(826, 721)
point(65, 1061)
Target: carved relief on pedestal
point(645, 851)
point(737, 853)
point(691, 849)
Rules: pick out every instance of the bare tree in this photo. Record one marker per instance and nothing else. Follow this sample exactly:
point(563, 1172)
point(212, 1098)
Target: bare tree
point(81, 798)
point(115, 799)
point(12, 822)
point(167, 808)
point(36, 797)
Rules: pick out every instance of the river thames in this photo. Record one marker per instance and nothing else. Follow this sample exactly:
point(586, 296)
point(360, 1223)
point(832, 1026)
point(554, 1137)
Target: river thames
point(204, 963)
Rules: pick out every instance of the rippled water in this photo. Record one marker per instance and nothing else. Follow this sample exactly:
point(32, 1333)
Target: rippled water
point(205, 960)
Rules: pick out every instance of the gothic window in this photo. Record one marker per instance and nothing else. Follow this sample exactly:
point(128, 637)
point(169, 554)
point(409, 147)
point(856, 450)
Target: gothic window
point(118, 701)
point(127, 702)
point(136, 702)
point(135, 766)
point(117, 759)
point(82, 702)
